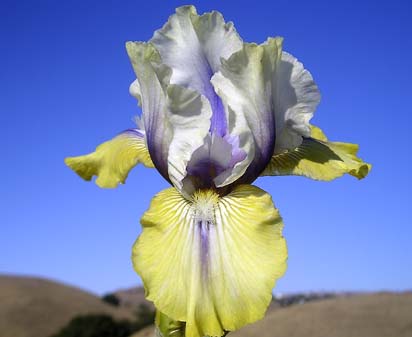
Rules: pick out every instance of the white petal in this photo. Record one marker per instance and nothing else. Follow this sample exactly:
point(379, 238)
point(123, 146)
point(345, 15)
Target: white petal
point(134, 90)
point(246, 83)
point(190, 121)
point(192, 46)
point(176, 119)
point(150, 88)
point(296, 100)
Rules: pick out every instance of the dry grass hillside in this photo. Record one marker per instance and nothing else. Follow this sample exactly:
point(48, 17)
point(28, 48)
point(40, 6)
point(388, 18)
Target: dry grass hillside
point(373, 315)
point(33, 307)
point(132, 298)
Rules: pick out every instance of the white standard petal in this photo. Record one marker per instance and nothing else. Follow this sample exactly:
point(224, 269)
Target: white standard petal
point(150, 88)
point(246, 83)
point(176, 119)
point(189, 116)
point(134, 90)
point(192, 46)
point(297, 97)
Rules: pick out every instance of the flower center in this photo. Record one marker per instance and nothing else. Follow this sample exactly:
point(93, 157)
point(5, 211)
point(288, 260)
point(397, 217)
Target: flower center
point(204, 203)
point(211, 162)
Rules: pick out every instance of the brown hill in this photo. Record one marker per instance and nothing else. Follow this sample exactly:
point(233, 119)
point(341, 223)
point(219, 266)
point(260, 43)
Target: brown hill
point(373, 315)
point(132, 298)
point(34, 307)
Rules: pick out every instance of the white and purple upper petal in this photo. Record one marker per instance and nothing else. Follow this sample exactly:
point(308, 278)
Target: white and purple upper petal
point(176, 119)
point(215, 109)
point(247, 84)
point(184, 117)
point(296, 100)
point(150, 89)
point(192, 46)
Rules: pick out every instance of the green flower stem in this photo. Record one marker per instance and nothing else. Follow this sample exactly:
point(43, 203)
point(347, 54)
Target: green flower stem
point(167, 327)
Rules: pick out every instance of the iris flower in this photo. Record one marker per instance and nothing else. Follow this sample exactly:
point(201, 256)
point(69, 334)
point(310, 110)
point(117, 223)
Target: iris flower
point(217, 114)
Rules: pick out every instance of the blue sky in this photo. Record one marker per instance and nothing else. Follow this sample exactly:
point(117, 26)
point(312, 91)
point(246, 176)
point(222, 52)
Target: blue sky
point(64, 89)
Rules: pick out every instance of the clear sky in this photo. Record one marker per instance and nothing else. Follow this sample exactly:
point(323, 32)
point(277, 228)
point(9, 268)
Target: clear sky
point(64, 89)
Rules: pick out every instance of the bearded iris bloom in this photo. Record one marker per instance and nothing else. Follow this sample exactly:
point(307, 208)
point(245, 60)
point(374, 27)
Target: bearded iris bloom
point(217, 114)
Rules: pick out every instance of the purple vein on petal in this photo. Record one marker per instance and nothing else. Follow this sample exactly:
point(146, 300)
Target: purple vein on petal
point(203, 227)
point(218, 123)
point(134, 132)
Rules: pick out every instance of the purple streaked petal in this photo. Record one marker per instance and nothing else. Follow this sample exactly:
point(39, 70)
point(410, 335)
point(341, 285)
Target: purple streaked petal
point(203, 228)
point(208, 161)
point(213, 161)
point(238, 154)
point(192, 46)
point(134, 133)
point(218, 123)
point(176, 119)
point(247, 85)
point(150, 87)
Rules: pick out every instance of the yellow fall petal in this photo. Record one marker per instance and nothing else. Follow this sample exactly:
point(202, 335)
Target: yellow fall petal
point(317, 133)
point(211, 262)
point(112, 160)
point(319, 159)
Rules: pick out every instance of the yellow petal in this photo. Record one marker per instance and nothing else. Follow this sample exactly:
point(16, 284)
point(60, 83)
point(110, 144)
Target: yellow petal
point(112, 160)
point(212, 261)
point(319, 159)
point(317, 133)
